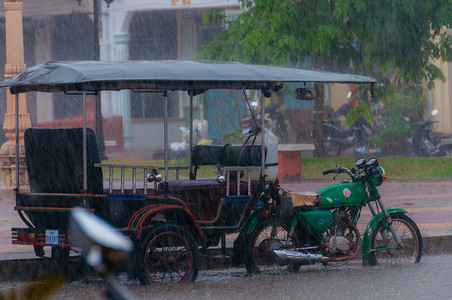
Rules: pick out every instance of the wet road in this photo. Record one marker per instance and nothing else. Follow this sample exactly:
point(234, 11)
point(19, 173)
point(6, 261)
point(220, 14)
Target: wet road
point(428, 280)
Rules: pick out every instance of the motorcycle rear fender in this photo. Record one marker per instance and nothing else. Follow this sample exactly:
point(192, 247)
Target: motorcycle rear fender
point(373, 223)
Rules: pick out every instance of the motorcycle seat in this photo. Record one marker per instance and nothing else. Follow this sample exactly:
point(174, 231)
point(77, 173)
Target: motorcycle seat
point(304, 198)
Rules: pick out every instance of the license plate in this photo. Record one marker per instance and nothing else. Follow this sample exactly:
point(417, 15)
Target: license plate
point(52, 236)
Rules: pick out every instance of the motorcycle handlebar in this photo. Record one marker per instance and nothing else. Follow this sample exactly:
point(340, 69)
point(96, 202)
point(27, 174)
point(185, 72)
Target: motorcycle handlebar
point(326, 172)
point(339, 170)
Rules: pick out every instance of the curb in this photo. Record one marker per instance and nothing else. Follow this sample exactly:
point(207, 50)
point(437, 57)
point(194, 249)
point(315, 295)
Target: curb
point(35, 268)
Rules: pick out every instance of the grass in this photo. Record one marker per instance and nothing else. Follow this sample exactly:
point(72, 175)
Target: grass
point(311, 167)
point(395, 167)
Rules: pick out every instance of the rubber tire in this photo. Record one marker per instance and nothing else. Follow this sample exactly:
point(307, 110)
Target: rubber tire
point(250, 265)
point(446, 151)
point(140, 263)
point(60, 255)
point(332, 149)
point(420, 149)
point(371, 258)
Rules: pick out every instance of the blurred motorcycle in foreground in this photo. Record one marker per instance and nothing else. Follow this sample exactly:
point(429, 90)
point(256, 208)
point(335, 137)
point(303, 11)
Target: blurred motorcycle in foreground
point(105, 249)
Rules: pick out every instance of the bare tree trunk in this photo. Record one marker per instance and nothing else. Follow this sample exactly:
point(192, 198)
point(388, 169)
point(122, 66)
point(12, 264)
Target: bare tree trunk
point(317, 120)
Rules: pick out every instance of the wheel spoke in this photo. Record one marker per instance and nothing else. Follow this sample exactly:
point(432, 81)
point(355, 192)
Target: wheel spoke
point(270, 236)
point(386, 250)
point(168, 258)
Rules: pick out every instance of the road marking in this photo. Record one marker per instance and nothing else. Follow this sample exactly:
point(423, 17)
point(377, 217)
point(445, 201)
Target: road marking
point(434, 225)
point(417, 209)
point(444, 225)
point(15, 247)
point(427, 196)
point(10, 219)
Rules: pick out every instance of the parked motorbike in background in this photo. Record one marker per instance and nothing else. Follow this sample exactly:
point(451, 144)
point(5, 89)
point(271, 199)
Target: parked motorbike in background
point(425, 144)
point(337, 139)
point(278, 124)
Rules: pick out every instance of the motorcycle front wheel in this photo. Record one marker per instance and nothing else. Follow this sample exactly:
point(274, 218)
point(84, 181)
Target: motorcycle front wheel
point(383, 246)
point(268, 235)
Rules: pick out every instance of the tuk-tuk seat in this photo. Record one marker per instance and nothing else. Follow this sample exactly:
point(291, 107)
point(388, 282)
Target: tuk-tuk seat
point(202, 196)
point(227, 155)
point(54, 160)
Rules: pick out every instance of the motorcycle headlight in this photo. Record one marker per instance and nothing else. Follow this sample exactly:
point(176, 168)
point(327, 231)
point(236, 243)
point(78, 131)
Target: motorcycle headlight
point(381, 176)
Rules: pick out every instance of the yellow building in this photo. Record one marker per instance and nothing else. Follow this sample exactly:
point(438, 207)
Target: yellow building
point(441, 99)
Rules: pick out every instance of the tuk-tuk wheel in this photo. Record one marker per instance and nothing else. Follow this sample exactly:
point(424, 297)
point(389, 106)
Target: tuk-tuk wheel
point(169, 254)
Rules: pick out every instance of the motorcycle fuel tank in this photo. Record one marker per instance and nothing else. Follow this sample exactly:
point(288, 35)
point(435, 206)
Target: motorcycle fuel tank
point(318, 220)
point(343, 194)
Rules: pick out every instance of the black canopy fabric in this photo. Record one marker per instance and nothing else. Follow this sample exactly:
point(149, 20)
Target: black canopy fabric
point(67, 76)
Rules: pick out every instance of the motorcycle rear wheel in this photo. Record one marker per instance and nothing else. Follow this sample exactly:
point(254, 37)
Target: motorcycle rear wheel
point(269, 234)
point(383, 246)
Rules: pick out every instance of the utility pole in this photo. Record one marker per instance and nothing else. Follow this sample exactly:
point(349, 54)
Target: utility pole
point(98, 105)
point(96, 57)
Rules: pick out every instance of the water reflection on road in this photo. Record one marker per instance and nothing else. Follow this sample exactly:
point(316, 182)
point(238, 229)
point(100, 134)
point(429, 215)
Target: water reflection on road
point(427, 280)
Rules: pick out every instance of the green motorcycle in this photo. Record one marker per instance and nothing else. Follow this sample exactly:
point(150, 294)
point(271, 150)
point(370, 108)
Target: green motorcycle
point(322, 226)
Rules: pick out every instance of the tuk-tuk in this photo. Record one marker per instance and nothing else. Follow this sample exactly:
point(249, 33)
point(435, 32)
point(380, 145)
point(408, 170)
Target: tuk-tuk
point(169, 220)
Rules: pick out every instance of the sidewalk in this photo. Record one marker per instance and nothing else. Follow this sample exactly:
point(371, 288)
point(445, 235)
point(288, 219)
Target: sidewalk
point(429, 203)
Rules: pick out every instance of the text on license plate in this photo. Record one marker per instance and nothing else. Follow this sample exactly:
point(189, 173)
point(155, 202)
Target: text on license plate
point(52, 236)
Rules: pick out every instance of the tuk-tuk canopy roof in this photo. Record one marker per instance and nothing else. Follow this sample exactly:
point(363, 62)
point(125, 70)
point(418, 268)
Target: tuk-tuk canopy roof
point(69, 76)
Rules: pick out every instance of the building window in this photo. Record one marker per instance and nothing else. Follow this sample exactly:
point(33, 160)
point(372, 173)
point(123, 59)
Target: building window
point(153, 36)
point(151, 105)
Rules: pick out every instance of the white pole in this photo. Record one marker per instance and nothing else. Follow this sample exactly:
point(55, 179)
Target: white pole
point(85, 159)
point(17, 142)
point(263, 134)
point(165, 97)
point(191, 134)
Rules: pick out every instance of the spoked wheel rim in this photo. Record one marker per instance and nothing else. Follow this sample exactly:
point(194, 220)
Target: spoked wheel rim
point(386, 249)
point(332, 149)
point(168, 258)
point(272, 236)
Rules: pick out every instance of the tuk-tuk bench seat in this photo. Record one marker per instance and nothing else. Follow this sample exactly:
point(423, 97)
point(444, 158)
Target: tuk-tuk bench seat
point(54, 160)
point(227, 155)
point(202, 197)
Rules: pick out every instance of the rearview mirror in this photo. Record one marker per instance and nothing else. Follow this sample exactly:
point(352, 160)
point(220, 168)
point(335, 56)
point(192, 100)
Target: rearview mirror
point(304, 94)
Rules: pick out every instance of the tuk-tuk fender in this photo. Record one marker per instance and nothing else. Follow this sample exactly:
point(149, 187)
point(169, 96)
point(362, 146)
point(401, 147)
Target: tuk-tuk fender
point(171, 213)
point(373, 223)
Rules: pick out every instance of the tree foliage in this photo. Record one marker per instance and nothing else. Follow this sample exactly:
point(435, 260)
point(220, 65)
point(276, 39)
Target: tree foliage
point(395, 41)
point(374, 37)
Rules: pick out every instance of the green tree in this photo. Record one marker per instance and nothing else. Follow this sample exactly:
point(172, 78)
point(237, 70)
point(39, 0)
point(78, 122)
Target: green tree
point(382, 38)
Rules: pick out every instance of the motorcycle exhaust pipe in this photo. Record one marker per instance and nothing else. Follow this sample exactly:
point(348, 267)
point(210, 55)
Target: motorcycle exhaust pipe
point(285, 254)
